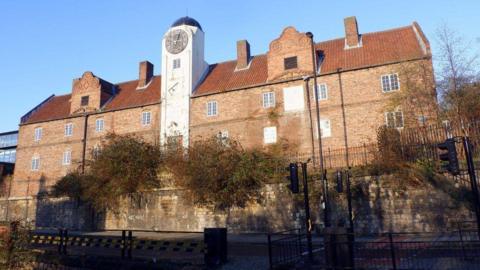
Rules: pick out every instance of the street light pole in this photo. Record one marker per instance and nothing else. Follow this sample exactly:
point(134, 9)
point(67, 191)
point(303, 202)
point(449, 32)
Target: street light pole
point(317, 109)
point(307, 212)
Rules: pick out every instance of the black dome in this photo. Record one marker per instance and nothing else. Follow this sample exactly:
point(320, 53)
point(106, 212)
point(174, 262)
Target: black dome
point(187, 21)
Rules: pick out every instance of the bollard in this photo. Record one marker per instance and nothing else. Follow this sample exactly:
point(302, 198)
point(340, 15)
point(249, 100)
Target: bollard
point(65, 241)
point(60, 242)
point(123, 244)
point(130, 244)
point(215, 240)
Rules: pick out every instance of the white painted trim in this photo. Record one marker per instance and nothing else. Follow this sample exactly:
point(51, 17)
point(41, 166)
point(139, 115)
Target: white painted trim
point(388, 74)
point(245, 68)
point(420, 40)
point(360, 43)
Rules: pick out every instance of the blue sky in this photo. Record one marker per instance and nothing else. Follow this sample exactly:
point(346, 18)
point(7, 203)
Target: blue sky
point(44, 45)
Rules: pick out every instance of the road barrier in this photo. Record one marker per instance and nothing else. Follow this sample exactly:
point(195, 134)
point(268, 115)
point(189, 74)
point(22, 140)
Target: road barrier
point(126, 243)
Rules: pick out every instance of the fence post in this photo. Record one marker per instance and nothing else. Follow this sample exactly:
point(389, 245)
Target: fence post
point(65, 241)
point(130, 244)
point(392, 251)
point(461, 240)
point(60, 242)
point(123, 244)
point(270, 251)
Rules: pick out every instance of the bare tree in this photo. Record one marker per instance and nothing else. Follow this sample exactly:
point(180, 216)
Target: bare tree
point(458, 77)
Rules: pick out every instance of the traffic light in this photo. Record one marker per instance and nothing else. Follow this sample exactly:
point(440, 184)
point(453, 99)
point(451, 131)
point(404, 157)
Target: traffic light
point(449, 156)
point(293, 169)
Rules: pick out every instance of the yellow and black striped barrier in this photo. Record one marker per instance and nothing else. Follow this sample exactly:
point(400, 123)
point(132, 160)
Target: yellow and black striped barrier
point(114, 242)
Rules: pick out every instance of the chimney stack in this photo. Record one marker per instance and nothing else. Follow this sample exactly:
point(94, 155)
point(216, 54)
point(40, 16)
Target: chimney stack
point(351, 32)
point(145, 73)
point(243, 54)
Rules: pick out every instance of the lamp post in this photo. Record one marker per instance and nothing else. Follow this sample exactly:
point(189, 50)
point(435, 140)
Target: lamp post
point(317, 109)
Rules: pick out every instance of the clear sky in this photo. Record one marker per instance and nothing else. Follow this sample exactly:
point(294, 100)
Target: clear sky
point(44, 45)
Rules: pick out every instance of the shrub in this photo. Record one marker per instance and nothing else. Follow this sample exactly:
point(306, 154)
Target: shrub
point(124, 166)
point(222, 174)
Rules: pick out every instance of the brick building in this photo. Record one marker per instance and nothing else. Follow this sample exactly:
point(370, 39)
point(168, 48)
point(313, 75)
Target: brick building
point(259, 100)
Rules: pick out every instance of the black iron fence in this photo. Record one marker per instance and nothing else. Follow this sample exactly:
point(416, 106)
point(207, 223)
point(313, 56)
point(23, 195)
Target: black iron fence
point(447, 250)
point(414, 143)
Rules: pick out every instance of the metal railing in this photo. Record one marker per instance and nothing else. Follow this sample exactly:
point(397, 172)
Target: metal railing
point(446, 250)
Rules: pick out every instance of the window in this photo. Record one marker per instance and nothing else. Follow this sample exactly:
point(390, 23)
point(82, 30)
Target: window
point(38, 134)
point(422, 120)
point(269, 100)
point(35, 163)
point(146, 118)
point(99, 125)
point(293, 99)
point(394, 119)
point(290, 62)
point(68, 129)
point(322, 91)
point(176, 63)
point(270, 135)
point(325, 128)
point(212, 108)
point(84, 101)
point(67, 157)
point(390, 82)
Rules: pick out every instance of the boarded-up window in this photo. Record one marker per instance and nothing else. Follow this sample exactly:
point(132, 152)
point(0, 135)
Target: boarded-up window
point(290, 62)
point(293, 99)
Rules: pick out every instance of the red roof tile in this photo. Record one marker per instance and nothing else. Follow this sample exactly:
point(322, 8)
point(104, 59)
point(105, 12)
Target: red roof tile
point(223, 76)
point(129, 96)
point(377, 48)
point(58, 107)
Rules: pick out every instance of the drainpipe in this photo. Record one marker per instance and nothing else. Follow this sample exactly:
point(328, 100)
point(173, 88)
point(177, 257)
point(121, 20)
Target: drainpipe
point(339, 70)
point(306, 80)
point(314, 61)
point(84, 141)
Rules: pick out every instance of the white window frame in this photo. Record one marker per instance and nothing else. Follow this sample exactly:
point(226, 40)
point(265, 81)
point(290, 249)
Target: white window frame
point(67, 157)
point(268, 99)
point(146, 118)
point(388, 81)
point(269, 135)
point(176, 63)
point(319, 91)
point(35, 165)
point(99, 127)
point(38, 133)
point(68, 129)
point(212, 108)
point(395, 125)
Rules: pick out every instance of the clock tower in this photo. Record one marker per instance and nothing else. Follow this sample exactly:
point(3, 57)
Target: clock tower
point(183, 66)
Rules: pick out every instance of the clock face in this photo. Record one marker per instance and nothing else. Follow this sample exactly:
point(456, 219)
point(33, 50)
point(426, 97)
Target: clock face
point(176, 41)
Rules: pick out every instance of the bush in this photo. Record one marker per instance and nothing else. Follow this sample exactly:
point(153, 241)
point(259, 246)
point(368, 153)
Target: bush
point(222, 174)
point(125, 165)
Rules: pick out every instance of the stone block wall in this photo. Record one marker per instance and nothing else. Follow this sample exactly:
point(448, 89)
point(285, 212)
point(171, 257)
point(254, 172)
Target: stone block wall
point(378, 207)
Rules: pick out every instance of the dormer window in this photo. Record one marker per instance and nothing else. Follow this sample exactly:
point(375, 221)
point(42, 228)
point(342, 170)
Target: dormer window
point(84, 101)
point(290, 62)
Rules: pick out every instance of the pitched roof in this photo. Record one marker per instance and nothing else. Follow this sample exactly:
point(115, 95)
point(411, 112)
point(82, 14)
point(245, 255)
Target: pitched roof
point(377, 48)
point(58, 107)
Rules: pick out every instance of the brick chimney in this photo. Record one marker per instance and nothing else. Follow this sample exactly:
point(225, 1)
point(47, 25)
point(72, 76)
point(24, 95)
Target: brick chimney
point(145, 73)
point(243, 54)
point(351, 32)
